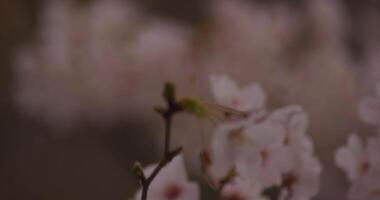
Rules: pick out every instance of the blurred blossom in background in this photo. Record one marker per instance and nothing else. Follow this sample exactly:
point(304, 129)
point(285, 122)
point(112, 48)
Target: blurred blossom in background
point(81, 77)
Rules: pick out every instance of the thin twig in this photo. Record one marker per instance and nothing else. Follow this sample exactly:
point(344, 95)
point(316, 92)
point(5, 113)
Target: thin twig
point(168, 122)
point(168, 155)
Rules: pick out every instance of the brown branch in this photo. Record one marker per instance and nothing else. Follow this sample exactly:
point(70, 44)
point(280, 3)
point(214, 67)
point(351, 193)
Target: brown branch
point(172, 108)
point(145, 182)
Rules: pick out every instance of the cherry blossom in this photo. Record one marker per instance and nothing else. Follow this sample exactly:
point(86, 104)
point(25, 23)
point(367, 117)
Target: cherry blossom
point(247, 148)
point(353, 158)
point(228, 93)
point(356, 159)
point(268, 138)
point(362, 166)
point(295, 121)
point(302, 182)
point(272, 149)
point(171, 183)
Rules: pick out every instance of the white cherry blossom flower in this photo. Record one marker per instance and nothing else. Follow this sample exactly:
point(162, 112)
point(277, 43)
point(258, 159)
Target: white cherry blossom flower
point(255, 150)
point(268, 139)
point(227, 93)
point(352, 158)
point(227, 146)
point(171, 183)
point(356, 159)
point(302, 182)
point(295, 121)
point(252, 150)
point(362, 166)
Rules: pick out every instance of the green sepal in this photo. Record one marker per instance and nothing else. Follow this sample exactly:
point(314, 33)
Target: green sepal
point(194, 106)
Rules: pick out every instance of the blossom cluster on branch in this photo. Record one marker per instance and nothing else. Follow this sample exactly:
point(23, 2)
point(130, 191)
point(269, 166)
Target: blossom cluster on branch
point(265, 149)
point(257, 154)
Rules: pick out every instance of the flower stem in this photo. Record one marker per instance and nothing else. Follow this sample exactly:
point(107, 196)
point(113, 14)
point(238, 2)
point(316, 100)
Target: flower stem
point(167, 114)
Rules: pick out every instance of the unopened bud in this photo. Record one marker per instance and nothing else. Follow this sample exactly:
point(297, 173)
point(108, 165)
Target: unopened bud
point(138, 170)
point(169, 92)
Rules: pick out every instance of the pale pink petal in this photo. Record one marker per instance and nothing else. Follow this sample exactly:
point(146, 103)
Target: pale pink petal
point(350, 157)
point(253, 98)
point(369, 110)
point(223, 89)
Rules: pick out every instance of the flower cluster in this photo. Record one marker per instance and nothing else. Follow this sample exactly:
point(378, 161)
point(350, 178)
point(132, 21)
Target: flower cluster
point(360, 161)
point(263, 149)
point(251, 154)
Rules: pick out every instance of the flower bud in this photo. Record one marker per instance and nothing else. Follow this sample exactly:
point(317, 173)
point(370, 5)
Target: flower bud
point(138, 170)
point(169, 91)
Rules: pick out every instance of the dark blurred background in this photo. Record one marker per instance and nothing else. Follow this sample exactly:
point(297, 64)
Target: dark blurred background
point(92, 160)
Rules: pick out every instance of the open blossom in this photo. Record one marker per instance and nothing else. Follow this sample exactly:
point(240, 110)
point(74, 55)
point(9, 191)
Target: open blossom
point(271, 149)
point(356, 159)
point(268, 139)
point(171, 183)
point(228, 93)
point(302, 182)
point(252, 149)
point(353, 158)
point(362, 166)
